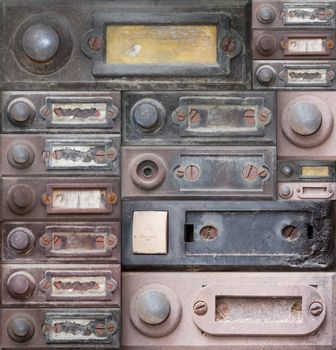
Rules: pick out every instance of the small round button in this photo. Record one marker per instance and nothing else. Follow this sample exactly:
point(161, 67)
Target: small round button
point(266, 15)
point(20, 285)
point(20, 154)
point(40, 42)
point(285, 191)
point(21, 111)
point(146, 116)
point(266, 75)
point(20, 240)
point(305, 118)
point(287, 170)
point(266, 44)
point(22, 196)
point(20, 329)
point(153, 307)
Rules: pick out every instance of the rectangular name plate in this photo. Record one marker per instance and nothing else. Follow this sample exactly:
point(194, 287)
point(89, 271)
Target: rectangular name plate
point(227, 172)
point(85, 155)
point(163, 44)
point(79, 198)
point(307, 45)
point(80, 327)
point(230, 234)
point(74, 285)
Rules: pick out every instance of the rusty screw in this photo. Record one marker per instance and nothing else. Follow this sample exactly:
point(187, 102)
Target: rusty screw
point(262, 172)
point(229, 44)
point(290, 232)
point(95, 43)
point(316, 308)
point(194, 116)
point(100, 242)
point(100, 155)
point(112, 113)
point(192, 172)
point(100, 329)
point(57, 241)
point(112, 198)
point(249, 117)
point(330, 44)
point(250, 172)
point(112, 241)
point(111, 153)
point(180, 172)
point(264, 116)
point(44, 111)
point(200, 308)
point(180, 116)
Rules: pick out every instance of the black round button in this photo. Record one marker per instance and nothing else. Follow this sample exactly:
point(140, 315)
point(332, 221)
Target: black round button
point(266, 75)
point(287, 170)
point(146, 115)
point(20, 154)
point(19, 240)
point(22, 196)
point(40, 42)
point(305, 118)
point(266, 15)
point(20, 329)
point(153, 307)
point(266, 44)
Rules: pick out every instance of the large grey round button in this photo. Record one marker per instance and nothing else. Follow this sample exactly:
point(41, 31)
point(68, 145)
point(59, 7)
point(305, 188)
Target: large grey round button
point(153, 307)
point(20, 240)
point(20, 112)
point(266, 44)
point(20, 329)
point(40, 42)
point(22, 196)
point(20, 285)
point(266, 75)
point(146, 115)
point(20, 154)
point(305, 118)
point(266, 15)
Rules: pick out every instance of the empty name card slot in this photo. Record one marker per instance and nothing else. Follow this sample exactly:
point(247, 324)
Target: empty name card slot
point(315, 192)
point(259, 309)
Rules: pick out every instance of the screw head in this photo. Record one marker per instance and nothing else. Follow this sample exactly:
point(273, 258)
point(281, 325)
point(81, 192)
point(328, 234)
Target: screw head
point(200, 308)
point(153, 307)
point(305, 118)
point(250, 172)
point(146, 116)
point(266, 15)
point(266, 75)
point(316, 308)
point(40, 42)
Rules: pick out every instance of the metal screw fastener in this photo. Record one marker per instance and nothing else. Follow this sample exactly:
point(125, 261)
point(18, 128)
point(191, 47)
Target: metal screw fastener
point(262, 172)
point(249, 117)
point(194, 116)
point(316, 308)
point(250, 172)
point(330, 44)
point(95, 43)
point(290, 232)
point(229, 44)
point(192, 172)
point(179, 172)
point(264, 116)
point(100, 242)
point(200, 308)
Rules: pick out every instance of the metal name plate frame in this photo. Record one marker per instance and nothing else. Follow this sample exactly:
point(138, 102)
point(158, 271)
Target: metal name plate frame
point(235, 235)
point(186, 172)
point(295, 75)
point(294, 14)
point(83, 328)
point(66, 112)
point(199, 118)
point(93, 242)
point(234, 310)
point(306, 171)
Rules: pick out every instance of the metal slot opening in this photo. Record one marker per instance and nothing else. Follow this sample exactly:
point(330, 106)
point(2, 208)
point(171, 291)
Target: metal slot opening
point(188, 232)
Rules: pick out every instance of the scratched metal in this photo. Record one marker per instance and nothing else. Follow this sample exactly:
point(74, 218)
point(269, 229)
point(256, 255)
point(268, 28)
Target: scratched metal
point(199, 118)
point(293, 14)
point(66, 112)
point(60, 285)
point(61, 198)
point(219, 235)
point(49, 155)
point(195, 299)
point(81, 29)
point(294, 75)
point(187, 172)
point(59, 328)
point(82, 242)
